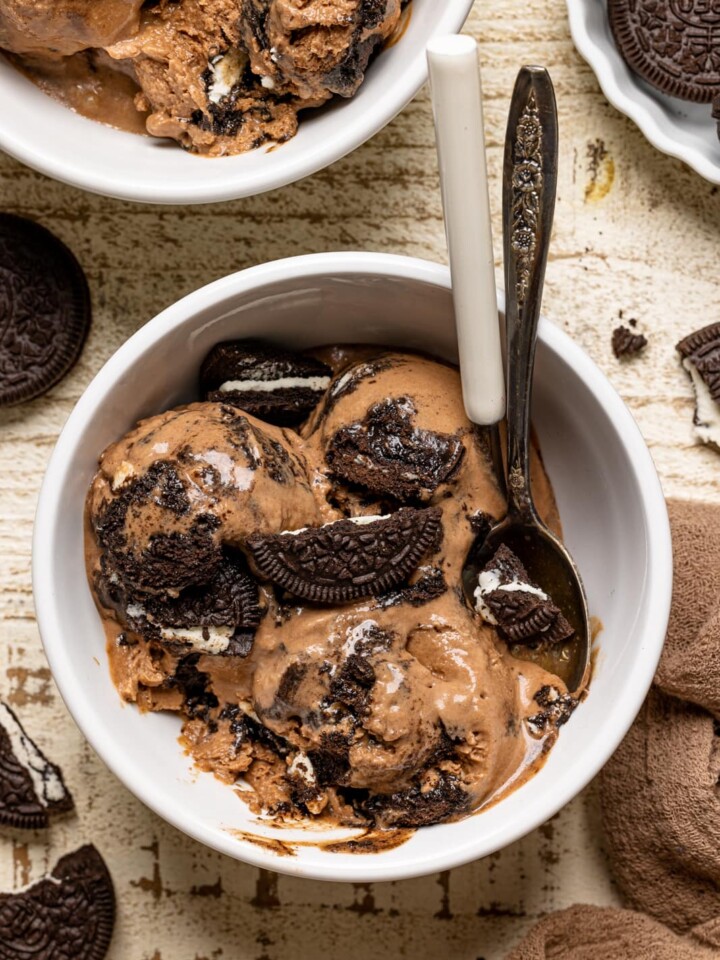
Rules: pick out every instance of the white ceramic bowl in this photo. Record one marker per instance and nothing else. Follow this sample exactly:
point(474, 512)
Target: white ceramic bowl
point(681, 129)
point(51, 138)
point(608, 492)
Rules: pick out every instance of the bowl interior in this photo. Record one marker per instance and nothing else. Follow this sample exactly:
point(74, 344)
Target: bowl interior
point(139, 168)
point(608, 494)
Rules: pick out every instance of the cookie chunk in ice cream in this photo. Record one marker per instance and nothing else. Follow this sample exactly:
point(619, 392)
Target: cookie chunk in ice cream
point(295, 593)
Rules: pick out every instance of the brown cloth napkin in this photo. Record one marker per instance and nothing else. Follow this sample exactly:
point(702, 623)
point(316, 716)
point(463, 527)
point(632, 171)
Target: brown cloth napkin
point(601, 933)
point(660, 792)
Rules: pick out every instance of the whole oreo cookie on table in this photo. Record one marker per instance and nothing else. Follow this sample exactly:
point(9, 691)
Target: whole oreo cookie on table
point(700, 352)
point(31, 787)
point(270, 383)
point(348, 559)
point(673, 44)
point(45, 310)
point(69, 915)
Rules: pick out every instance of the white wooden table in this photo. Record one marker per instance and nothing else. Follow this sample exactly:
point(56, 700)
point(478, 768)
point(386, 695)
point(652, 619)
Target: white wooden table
point(636, 234)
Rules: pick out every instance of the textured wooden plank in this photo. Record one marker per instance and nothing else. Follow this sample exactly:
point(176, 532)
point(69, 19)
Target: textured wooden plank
point(635, 233)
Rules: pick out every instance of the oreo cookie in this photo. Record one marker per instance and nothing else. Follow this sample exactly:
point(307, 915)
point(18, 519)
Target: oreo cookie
point(69, 915)
point(31, 788)
point(421, 805)
point(625, 343)
point(269, 383)
point(388, 455)
point(700, 352)
point(672, 45)
point(219, 617)
point(45, 306)
point(348, 559)
point(523, 613)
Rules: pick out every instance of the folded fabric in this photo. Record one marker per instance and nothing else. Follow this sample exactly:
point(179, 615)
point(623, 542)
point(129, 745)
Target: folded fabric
point(659, 793)
point(690, 664)
point(602, 933)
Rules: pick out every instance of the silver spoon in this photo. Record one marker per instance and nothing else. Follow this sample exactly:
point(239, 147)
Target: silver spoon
point(529, 189)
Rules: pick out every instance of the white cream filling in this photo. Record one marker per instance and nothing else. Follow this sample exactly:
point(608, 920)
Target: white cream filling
point(212, 640)
point(282, 383)
point(301, 766)
point(489, 581)
point(226, 71)
point(359, 521)
point(46, 783)
point(707, 410)
point(124, 472)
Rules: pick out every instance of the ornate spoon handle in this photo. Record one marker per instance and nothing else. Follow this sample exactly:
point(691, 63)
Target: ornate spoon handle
point(529, 189)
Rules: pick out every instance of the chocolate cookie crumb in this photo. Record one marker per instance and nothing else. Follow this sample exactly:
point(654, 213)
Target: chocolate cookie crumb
point(625, 343)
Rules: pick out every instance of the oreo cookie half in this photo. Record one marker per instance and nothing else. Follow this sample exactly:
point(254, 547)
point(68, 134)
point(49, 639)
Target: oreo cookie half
point(69, 914)
point(45, 310)
point(31, 788)
point(389, 456)
point(348, 559)
point(700, 352)
point(674, 46)
point(269, 383)
point(523, 613)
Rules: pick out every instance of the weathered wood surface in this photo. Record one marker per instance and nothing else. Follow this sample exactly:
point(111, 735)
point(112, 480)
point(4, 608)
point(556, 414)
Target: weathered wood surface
point(636, 234)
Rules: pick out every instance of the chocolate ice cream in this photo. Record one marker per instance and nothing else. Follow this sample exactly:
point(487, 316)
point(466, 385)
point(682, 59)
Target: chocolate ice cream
point(219, 76)
point(295, 594)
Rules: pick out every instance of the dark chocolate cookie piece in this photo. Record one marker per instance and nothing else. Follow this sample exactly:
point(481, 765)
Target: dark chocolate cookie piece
point(522, 612)
point(555, 710)
point(625, 343)
point(44, 310)
point(269, 383)
point(673, 45)
point(348, 559)
point(389, 456)
point(69, 915)
point(700, 352)
point(31, 788)
point(219, 616)
point(421, 805)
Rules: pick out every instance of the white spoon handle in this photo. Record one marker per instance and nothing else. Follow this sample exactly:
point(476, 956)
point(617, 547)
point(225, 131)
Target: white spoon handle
point(457, 105)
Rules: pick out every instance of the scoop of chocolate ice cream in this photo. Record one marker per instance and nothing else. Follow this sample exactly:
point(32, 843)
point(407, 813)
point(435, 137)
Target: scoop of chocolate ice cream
point(62, 27)
point(184, 483)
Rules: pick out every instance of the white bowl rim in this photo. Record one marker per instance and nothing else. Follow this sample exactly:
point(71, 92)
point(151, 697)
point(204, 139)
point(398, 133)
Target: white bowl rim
point(240, 183)
point(624, 96)
point(390, 266)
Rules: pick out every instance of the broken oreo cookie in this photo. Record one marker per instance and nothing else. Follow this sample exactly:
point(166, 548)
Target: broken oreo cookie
point(389, 456)
point(69, 915)
point(348, 559)
point(674, 46)
point(523, 613)
point(218, 617)
point(700, 352)
point(45, 306)
point(269, 383)
point(31, 788)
